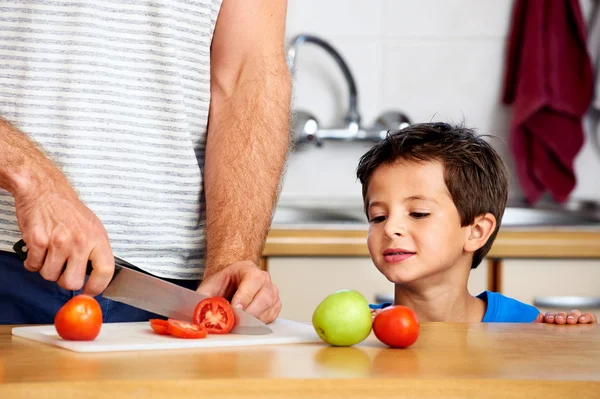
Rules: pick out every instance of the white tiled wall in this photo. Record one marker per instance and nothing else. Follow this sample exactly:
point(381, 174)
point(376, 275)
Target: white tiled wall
point(431, 59)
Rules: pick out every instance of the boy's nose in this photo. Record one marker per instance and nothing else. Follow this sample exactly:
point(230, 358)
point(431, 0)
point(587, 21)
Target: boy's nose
point(394, 228)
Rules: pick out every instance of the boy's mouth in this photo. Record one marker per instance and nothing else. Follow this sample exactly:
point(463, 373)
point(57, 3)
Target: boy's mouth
point(397, 251)
point(396, 255)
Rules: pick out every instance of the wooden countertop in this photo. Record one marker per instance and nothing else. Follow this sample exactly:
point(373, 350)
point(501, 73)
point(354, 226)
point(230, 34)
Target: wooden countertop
point(450, 360)
point(350, 240)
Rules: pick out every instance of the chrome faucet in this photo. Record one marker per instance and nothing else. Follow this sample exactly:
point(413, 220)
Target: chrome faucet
point(306, 126)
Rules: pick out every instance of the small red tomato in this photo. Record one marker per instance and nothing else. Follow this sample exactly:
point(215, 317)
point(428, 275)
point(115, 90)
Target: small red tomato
point(80, 319)
point(215, 314)
point(397, 326)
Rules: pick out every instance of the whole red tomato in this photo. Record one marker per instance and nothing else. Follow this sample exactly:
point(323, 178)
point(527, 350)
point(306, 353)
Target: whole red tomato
point(80, 319)
point(397, 326)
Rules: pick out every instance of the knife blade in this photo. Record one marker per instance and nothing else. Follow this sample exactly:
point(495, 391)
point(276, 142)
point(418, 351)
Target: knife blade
point(138, 288)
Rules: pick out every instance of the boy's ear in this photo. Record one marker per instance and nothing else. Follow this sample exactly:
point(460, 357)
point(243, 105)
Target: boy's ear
point(480, 231)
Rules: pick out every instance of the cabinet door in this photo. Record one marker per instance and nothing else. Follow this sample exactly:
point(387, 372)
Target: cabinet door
point(561, 284)
point(304, 282)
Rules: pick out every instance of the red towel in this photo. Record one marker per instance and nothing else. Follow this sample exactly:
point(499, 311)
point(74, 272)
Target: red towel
point(549, 81)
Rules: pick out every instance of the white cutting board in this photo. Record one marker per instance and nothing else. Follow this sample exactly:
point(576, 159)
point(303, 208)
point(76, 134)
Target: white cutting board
point(140, 336)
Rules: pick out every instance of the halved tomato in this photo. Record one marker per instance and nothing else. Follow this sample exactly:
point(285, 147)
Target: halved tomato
point(215, 314)
point(183, 329)
point(159, 326)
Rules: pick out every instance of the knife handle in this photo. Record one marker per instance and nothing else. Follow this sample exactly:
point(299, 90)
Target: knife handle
point(21, 249)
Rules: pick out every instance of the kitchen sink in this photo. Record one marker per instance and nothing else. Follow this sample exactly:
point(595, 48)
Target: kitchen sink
point(532, 217)
point(515, 215)
point(318, 215)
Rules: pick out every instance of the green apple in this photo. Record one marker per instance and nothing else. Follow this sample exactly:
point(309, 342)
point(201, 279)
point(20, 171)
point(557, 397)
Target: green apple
point(343, 318)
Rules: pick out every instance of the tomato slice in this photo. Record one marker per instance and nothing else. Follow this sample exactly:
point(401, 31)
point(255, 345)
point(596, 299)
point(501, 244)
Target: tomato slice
point(215, 314)
point(159, 326)
point(183, 329)
point(162, 330)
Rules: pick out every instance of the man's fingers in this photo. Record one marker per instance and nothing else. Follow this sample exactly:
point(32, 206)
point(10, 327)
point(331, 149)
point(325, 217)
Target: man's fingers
point(573, 316)
point(37, 247)
point(263, 301)
point(250, 285)
point(103, 265)
point(53, 265)
point(271, 313)
point(215, 285)
point(74, 275)
point(255, 293)
point(56, 258)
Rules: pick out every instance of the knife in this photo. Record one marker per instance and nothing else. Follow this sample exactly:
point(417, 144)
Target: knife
point(136, 287)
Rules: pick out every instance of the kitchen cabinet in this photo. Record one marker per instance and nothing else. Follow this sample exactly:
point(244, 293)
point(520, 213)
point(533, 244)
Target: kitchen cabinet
point(307, 264)
point(535, 280)
point(304, 281)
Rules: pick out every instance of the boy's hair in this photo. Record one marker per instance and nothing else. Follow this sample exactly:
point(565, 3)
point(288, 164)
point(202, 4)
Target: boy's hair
point(474, 173)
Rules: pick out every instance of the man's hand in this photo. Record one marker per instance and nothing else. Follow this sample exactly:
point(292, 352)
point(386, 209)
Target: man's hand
point(573, 317)
point(56, 227)
point(251, 288)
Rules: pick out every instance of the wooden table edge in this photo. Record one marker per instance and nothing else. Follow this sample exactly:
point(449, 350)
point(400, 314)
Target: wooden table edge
point(224, 388)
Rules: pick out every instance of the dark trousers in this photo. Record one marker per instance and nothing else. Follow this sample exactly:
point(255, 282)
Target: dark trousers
point(26, 298)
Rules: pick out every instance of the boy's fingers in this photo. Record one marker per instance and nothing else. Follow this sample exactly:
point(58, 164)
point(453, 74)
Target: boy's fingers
point(540, 318)
point(560, 318)
point(550, 317)
point(588, 318)
point(573, 316)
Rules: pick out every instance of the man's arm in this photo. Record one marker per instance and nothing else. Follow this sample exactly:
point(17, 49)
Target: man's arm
point(248, 140)
point(248, 129)
point(57, 228)
point(19, 160)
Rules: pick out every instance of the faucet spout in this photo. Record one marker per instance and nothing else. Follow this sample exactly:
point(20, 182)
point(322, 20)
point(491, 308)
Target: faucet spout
point(353, 116)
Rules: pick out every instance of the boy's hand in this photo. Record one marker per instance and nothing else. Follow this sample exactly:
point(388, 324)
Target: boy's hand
point(375, 312)
point(573, 317)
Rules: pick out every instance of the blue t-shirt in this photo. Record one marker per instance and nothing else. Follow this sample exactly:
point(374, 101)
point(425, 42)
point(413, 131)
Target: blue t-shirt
point(499, 309)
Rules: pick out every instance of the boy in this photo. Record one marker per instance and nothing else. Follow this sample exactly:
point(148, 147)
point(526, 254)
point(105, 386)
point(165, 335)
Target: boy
point(434, 196)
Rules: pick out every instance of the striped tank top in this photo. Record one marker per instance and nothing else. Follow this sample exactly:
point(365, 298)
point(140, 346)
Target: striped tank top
point(117, 92)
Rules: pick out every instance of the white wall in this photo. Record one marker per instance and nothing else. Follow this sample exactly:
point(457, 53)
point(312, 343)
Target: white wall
point(431, 59)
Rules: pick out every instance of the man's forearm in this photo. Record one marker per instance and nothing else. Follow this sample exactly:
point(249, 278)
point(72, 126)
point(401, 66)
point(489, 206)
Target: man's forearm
point(247, 144)
point(19, 160)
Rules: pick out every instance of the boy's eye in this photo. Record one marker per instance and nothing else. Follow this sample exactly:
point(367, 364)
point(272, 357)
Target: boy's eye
point(377, 219)
point(419, 215)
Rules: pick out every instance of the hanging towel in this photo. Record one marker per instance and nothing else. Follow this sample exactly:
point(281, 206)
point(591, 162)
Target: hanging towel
point(549, 82)
point(593, 114)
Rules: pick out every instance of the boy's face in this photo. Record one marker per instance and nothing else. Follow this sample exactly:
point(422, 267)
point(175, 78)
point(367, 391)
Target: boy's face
point(414, 226)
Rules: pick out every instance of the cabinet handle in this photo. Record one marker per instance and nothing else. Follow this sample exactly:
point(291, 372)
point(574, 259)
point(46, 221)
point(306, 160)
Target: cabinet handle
point(567, 302)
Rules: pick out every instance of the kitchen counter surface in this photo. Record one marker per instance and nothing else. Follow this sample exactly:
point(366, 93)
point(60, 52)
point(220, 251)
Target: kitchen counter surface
point(448, 361)
point(350, 240)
